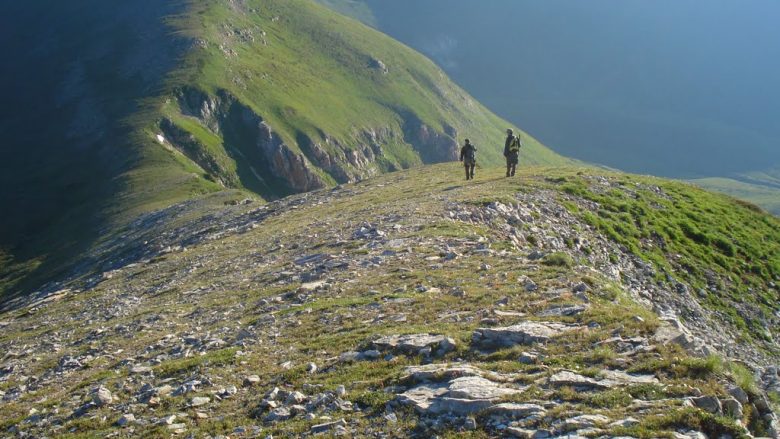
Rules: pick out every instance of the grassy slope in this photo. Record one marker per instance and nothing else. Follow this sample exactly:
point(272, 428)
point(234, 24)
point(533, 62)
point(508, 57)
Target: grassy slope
point(313, 77)
point(310, 78)
point(765, 196)
point(692, 232)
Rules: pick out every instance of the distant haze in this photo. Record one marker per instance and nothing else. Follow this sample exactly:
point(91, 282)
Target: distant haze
point(681, 88)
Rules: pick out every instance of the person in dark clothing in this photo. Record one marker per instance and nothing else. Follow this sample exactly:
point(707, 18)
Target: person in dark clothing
point(512, 152)
point(468, 155)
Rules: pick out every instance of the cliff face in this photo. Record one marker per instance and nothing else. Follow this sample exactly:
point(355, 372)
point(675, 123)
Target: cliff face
point(304, 164)
point(240, 128)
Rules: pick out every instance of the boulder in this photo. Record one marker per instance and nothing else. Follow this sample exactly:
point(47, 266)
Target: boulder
point(732, 407)
point(564, 311)
point(101, 396)
point(454, 393)
point(709, 404)
point(329, 426)
point(415, 343)
point(739, 394)
point(583, 421)
point(523, 333)
point(571, 379)
point(515, 411)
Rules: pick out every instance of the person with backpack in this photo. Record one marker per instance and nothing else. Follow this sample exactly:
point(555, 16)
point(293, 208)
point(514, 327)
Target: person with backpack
point(468, 155)
point(512, 152)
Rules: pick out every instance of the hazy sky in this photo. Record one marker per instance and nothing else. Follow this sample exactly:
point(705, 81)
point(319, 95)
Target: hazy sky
point(675, 87)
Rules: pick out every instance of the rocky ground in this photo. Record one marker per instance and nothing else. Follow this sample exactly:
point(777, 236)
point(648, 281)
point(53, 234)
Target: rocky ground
point(409, 305)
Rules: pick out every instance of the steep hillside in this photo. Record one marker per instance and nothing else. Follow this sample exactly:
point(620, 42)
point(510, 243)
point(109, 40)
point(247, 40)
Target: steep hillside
point(118, 109)
point(413, 304)
point(310, 98)
point(764, 195)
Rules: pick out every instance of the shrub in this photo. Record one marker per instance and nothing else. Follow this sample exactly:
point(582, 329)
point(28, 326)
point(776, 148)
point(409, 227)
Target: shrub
point(725, 246)
point(558, 259)
point(696, 419)
point(693, 233)
point(611, 399)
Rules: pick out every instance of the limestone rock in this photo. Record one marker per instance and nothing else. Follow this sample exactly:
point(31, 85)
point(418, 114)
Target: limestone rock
point(732, 407)
point(564, 311)
point(328, 426)
point(621, 378)
point(515, 411)
point(523, 333)
point(199, 401)
point(478, 388)
point(460, 395)
point(125, 420)
point(430, 372)
point(571, 379)
point(625, 423)
point(739, 394)
point(709, 404)
point(101, 396)
point(251, 380)
point(528, 358)
point(414, 343)
point(278, 414)
point(583, 422)
point(295, 398)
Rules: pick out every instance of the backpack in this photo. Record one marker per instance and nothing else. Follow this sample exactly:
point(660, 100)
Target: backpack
point(471, 153)
point(515, 145)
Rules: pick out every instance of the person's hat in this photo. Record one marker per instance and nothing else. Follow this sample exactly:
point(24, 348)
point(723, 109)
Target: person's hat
point(467, 141)
point(509, 131)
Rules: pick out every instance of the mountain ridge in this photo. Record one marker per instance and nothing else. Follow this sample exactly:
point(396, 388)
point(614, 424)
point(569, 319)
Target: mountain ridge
point(413, 304)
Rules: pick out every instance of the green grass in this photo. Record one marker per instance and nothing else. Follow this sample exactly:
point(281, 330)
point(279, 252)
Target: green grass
point(558, 260)
point(767, 197)
point(707, 232)
point(707, 423)
point(212, 359)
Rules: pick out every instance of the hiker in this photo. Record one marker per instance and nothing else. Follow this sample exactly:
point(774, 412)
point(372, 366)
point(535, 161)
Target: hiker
point(512, 152)
point(468, 155)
